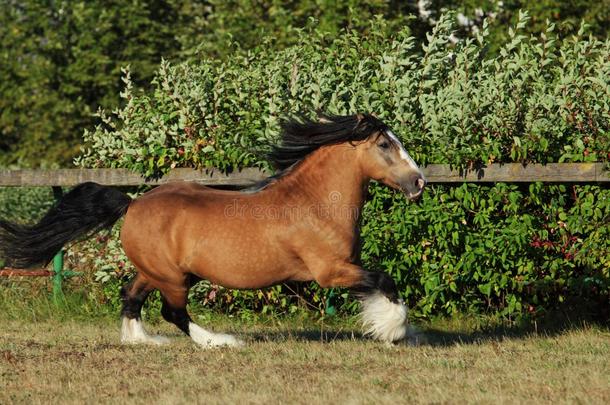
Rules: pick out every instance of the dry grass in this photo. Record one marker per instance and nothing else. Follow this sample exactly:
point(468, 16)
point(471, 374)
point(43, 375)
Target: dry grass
point(54, 361)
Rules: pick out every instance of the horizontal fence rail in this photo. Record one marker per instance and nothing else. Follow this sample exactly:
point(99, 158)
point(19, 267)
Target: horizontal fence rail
point(9, 272)
point(437, 173)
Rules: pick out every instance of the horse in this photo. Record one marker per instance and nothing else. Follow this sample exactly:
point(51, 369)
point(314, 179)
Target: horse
point(301, 224)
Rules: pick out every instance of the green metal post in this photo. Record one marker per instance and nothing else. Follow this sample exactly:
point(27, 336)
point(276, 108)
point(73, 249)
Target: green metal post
point(58, 269)
point(330, 309)
point(58, 259)
point(58, 262)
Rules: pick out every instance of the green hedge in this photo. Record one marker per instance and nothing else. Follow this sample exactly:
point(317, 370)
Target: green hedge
point(542, 99)
point(60, 60)
point(503, 249)
point(24, 204)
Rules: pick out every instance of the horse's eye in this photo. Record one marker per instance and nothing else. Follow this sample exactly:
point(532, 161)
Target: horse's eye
point(384, 145)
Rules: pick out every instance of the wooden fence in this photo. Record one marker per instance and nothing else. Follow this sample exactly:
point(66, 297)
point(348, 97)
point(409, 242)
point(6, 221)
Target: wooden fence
point(494, 173)
point(509, 173)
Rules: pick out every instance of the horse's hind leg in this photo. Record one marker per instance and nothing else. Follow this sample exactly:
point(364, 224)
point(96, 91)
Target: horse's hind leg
point(174, 311)
point(133, 296)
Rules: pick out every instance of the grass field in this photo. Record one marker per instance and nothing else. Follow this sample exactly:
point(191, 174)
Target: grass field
point(46, 358)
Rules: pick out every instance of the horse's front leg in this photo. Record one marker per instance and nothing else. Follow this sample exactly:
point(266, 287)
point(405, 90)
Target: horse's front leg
point(384, 315)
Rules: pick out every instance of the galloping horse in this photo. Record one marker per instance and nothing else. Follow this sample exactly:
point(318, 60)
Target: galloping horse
point(301, 224)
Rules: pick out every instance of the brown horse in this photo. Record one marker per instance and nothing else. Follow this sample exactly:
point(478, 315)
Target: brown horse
point(300, 225)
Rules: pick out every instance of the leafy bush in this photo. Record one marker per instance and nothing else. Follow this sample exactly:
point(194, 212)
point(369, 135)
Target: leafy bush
point(24, 204)
point(60, 60)
point(506, 248)
point(541, 100)
point(502, 248)
point(73, 50)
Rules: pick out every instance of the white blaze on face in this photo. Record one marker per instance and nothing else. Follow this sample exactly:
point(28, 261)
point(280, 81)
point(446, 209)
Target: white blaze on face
point(401, 150)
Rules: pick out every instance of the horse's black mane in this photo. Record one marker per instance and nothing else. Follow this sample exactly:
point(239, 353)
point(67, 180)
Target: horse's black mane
point(302, 136)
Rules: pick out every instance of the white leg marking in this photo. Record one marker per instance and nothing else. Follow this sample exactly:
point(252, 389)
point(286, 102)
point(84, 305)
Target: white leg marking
point(208, 339)
point(383, 319)
point(133, 332)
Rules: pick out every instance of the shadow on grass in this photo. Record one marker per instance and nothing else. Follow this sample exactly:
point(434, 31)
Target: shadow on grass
point(451, 332)
point(443, 338)
point(308, 335)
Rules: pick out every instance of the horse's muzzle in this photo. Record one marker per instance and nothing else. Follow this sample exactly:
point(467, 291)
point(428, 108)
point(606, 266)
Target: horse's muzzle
point(414, 185)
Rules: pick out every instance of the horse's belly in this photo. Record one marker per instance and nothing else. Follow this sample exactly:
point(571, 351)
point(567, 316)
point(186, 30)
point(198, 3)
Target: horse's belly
point(244, 263)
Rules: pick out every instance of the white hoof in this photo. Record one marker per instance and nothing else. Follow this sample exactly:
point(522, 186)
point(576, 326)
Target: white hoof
point(383, 319)
point(208, 339)
point(132, 332)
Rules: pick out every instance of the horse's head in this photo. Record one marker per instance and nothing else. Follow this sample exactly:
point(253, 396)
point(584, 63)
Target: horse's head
point(384, 158)
point(381, 156)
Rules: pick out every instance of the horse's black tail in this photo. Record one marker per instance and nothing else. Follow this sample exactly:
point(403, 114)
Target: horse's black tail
point(86, 209)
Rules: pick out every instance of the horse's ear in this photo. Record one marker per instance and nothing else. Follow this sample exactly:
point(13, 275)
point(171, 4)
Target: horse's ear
point(360, 119)
point(365, 122)
point(368, 124)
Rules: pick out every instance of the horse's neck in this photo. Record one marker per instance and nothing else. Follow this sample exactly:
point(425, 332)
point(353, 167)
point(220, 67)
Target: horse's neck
point(331, 178)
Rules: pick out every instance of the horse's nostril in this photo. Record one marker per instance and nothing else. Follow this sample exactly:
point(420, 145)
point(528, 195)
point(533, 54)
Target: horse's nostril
point(415, 183)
